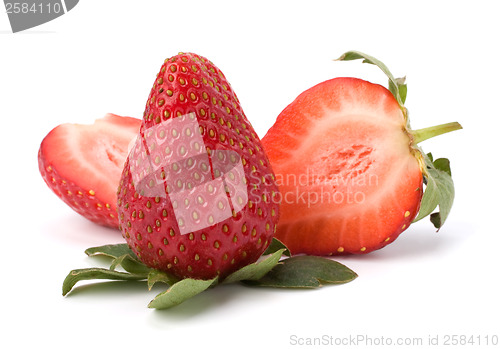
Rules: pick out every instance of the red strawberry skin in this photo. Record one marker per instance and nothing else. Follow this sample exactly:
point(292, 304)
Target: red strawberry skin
point(196, 194)
point(349, 179)
point(82, 164)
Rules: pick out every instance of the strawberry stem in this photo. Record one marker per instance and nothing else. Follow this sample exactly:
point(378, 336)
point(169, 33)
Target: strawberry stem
point(429, 132)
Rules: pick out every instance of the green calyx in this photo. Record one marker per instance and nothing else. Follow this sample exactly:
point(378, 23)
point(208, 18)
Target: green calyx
point(276, 269)
point(439, 188)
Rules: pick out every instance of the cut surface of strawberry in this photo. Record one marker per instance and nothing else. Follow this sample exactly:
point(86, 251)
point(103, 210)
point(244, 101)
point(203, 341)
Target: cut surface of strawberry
point(348, 169)
point(82, 164)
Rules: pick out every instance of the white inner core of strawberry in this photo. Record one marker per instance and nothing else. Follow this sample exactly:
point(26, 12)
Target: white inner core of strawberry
point(351, 160)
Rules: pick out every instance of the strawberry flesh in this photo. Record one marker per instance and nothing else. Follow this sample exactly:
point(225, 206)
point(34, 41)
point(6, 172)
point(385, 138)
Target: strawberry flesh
point(82, 164)
point(348, 178)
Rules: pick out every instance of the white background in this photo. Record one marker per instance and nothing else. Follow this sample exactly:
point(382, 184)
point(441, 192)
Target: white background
point(103, 57)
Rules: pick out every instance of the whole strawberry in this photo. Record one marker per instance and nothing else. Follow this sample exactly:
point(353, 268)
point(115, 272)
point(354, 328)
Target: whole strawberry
point(197, 194)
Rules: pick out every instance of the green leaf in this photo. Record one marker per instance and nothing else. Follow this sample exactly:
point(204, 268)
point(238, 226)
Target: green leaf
point(397, 86)
point(113, 251)
point(306, 272)
point(155, 276)
point(130, 264)
point(122, 256)
point(117, 262)
point(443, 164)
point(275, 246)
point(180, 292)
point(439, 191)
point(95, 273)
point(256, 270)
point(436, 219)
point(402, 88)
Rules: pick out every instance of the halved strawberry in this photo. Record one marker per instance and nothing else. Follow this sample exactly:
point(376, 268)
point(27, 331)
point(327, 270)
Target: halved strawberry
point(346, 162)
point(82, 164)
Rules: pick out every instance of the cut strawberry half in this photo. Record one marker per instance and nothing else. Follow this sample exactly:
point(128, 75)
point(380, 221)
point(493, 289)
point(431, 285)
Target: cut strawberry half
point(348, 168)
point(82, 164)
